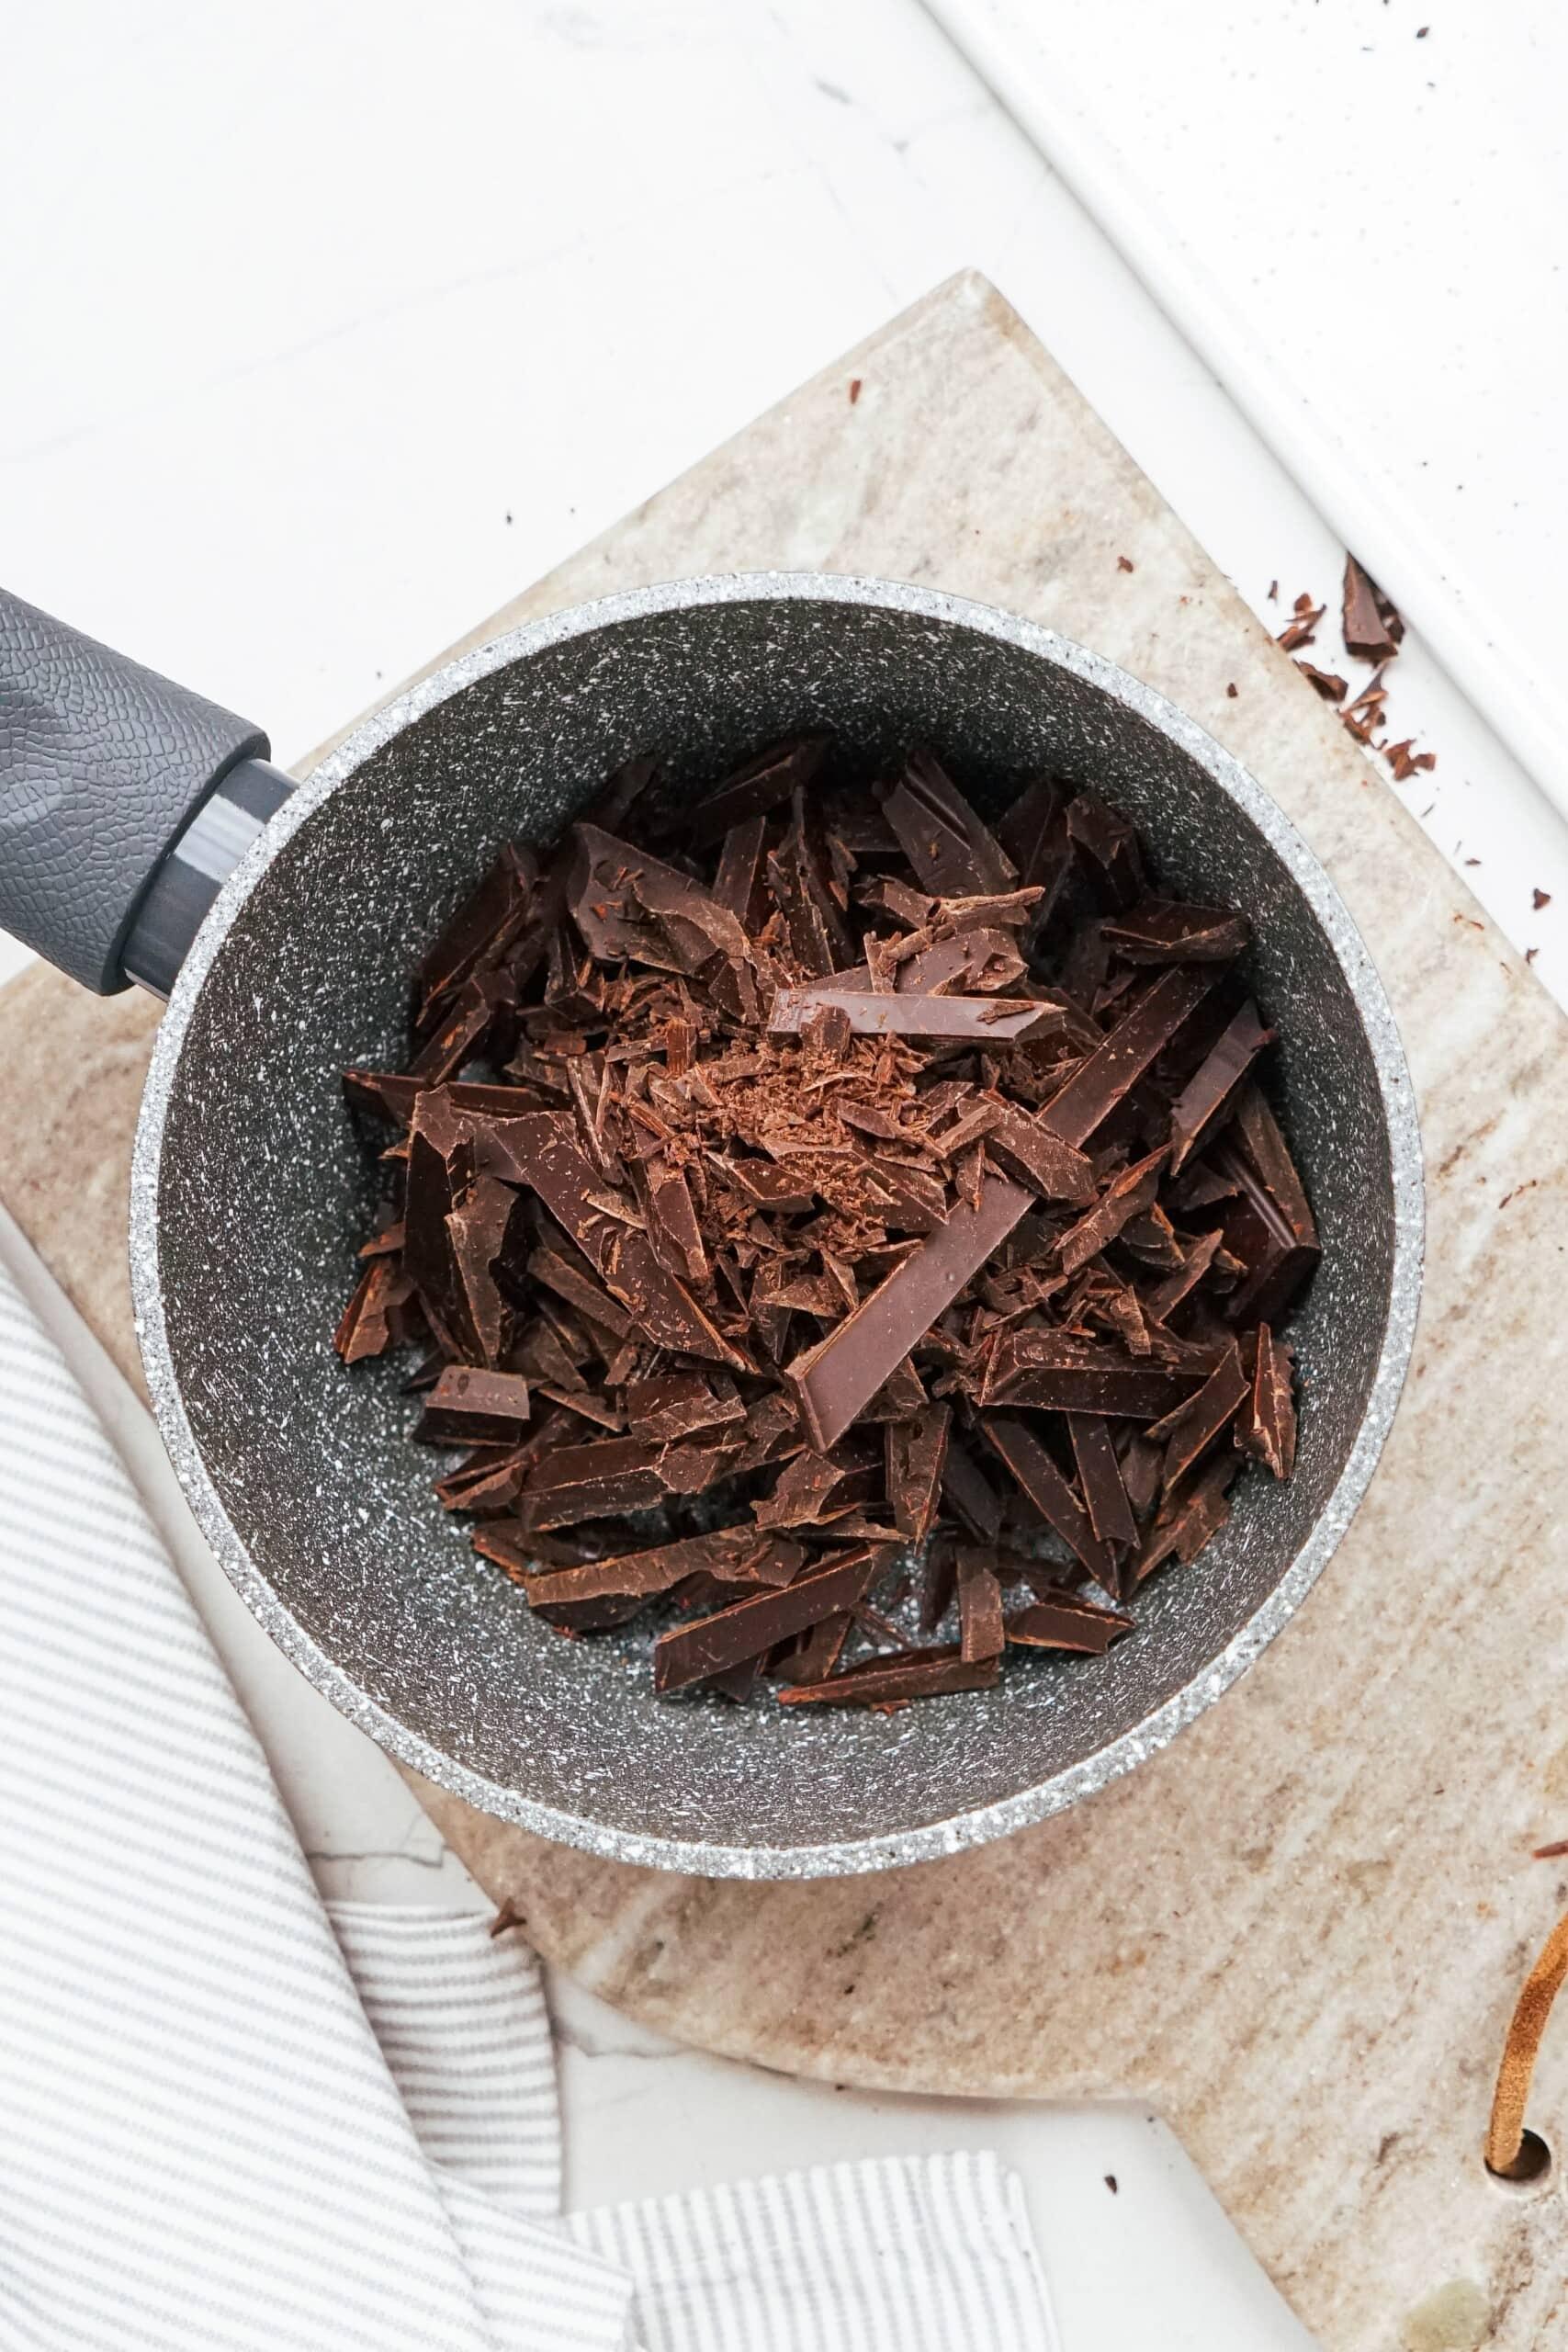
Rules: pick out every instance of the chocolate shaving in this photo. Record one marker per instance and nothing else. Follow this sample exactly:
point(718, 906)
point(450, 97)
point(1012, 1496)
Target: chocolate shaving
point(746, 1628)
point(880, 1683)
point(1371, 628)
point(1065, 1624)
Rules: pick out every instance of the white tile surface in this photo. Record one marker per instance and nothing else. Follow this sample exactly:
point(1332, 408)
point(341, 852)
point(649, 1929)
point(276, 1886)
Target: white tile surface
point(327, 329)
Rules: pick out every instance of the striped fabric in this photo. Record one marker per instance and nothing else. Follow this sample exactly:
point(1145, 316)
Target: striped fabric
point(234, 2120)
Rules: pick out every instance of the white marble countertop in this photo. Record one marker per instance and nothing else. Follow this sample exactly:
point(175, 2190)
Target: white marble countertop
point(328, 330)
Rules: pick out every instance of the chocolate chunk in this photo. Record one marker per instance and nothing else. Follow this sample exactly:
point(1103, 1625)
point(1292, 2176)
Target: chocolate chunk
point(1039, 1479)
point(990, 1021)
point(484, 926)
point(578, 1289)
point(888, 1682)
point(1063, 1374)
point(762, 784)
point(916, 1455)
point(739, 884)
point(1063, 1624)
point(835, 1378)
point(1207, 1099)
point(1099, 1476)
point(1167, 930)
point(1265, 1426)
point(820, 939)
point(1103, 1082)
point(1031, 1150)
point(748, 1628)
point(578, 1482)
point(679, 1404)
point(1276, 1259)
point(951, 851)
point(1371, 627)
point(1190, 1520)
point(1193, 1428)
point(469, 1407)
point(1126, 1196)
point(539, 1150)
point(1108, 846)
point(732, 1555)
point(981, 1633)
point(381, 1314)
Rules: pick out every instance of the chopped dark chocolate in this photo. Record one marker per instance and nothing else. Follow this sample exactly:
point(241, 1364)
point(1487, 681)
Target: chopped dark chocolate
point(800, 1218)
point(746, 1628)
point(881, 1682)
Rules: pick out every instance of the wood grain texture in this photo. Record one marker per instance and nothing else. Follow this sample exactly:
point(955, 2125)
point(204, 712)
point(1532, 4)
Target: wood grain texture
point(1298, 1932)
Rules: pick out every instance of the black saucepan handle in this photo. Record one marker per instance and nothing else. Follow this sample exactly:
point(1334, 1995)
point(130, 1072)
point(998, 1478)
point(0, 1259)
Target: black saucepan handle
point(102, 765)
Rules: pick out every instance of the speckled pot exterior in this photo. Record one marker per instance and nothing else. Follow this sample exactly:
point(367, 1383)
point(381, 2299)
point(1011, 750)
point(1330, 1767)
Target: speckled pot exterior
point(251, 1187)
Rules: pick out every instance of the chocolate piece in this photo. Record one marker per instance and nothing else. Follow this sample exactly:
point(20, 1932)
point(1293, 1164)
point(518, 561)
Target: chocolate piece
point(1191, 1520)
point(1108, 847)
point(762, 784)
point(678, 1405)
point(1127, 1196)
point(1038, 1478)
point(889, 1682)
point(1063, 1374)
point(483, 927)
point(469, 1407)
point(1168, 930)
point(1193, 1428)
point(578, 1482)
point(990, 1021)
point(1195, 1263)
point(916, 1453)
point(1208, 1097)
point(737, 885)
point(835, 1378)
point(1099, 1476)
point(541, 1153)
point(812, 1656)
point(580, 1290)
point(1371, 627)
point(1276, 1258)
point(733, 1554)
point(748, 1628)
point(951, 850)
point(970, 1493)
point(1039, 1158)
point(1141, 1465)
point(820, 939)
point(381, 1314)
point(1265, 1426)
point(627, 903)
point(1104, 1081)
point(981, 1633)
point(1063, 1624)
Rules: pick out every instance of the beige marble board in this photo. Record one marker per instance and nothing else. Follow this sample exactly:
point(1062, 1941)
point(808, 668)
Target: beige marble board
point(1298, 1932)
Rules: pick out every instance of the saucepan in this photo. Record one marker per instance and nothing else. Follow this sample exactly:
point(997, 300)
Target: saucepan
point(144, 835)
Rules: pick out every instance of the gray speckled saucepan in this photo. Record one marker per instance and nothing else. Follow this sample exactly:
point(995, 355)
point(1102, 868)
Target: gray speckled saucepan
point(252, 1185)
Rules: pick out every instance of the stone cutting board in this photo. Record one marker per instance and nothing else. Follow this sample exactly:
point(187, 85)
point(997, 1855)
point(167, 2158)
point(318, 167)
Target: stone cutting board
point(1298, 1932)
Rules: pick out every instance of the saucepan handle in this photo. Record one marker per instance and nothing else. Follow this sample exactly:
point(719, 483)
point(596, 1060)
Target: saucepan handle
point(102, 767)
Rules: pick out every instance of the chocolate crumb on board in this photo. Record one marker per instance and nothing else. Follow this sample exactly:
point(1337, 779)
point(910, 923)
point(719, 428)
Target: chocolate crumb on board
point(1125, 563)
point(1232, 692)
point(855, 382)
point(1301, 627)
point(841, 1233)
point(1332, 687)
point(1111, 2183)
point(1539, 897)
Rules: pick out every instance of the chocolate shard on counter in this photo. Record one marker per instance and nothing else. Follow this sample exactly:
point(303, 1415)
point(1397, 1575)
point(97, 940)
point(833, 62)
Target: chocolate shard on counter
point(756, 1199)
point(891, 1682)
point(835, 1378)
point(748, 1628)
point(1168, 930)
point(1064, 1622)
point(469, 1407)
point(1371, 627)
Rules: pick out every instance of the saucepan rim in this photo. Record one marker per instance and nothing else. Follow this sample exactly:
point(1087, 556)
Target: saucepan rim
point(996, 1819)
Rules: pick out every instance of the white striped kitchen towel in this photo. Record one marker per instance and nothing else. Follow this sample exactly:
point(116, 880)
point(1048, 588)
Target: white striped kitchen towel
point(232, 2120)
